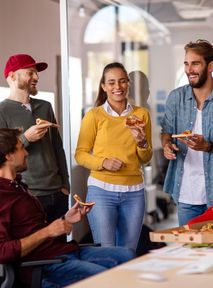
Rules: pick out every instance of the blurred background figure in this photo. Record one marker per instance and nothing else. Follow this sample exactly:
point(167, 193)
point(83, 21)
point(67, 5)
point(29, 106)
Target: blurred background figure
point(139, 88)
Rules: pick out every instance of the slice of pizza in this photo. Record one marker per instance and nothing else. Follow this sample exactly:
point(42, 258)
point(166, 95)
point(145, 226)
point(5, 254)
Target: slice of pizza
point(79, 200)
point(133, 121)
point(40, 121)
point(184, 134)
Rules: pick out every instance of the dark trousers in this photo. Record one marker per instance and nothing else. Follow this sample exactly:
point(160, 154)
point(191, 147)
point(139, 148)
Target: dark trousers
point(55, 205)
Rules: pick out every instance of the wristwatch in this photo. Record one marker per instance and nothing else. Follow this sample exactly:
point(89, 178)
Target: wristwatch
point(142, 144)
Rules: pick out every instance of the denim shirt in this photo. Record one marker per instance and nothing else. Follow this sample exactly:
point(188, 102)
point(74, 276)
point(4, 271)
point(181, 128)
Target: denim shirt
point(180, 115)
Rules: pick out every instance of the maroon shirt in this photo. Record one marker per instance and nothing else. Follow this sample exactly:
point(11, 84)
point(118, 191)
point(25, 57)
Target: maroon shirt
point(21, 215)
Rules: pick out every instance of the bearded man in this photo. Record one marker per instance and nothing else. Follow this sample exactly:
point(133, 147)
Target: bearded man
point(47, 174)
point(189, 178)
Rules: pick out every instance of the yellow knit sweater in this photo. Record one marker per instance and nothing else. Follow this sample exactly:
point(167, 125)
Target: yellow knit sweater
point(104, 136)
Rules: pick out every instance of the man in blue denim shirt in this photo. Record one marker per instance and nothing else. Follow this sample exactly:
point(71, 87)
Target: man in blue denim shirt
point(189, 177)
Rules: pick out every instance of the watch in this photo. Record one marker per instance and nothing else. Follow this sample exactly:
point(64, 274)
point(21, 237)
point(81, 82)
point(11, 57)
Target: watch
point(142, 144)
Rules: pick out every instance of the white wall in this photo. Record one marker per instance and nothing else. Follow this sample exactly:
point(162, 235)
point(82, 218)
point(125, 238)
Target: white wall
point(32, 27)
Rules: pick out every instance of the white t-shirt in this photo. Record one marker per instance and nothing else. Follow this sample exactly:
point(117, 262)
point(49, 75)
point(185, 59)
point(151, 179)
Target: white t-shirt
point(192, 189)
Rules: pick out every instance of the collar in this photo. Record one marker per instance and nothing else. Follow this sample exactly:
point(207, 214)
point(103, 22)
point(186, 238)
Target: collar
point(111, 112)
point(15, 183)
point(191, 95)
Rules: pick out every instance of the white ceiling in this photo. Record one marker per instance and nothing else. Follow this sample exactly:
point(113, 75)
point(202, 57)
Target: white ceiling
point(168, 12)
point(173, 11)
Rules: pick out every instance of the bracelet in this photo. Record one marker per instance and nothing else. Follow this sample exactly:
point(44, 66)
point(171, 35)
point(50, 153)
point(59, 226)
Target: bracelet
point(210, 146)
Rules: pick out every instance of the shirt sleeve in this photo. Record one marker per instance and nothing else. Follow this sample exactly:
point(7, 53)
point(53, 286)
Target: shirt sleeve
point(10, 250)
point(86, 140)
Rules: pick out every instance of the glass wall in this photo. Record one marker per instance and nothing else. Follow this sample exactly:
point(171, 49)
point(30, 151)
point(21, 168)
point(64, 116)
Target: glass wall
point(97, 33)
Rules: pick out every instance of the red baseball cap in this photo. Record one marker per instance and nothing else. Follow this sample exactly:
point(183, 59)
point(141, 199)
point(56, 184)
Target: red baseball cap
point(21, 61)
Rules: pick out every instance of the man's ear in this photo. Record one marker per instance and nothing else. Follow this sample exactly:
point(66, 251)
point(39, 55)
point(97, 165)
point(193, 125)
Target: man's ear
point(12, 75)
point(210, 68)
point(9, 156)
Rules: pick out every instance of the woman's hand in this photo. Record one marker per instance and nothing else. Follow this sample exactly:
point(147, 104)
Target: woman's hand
point(113, 164)
point(139, 135)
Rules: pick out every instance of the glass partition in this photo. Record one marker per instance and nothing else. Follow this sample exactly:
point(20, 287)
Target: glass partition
point(97, 33)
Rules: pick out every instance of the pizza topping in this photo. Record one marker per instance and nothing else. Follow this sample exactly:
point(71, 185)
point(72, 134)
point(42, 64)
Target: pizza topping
point(187, 132)
point(207, 227)
point(133, 121)
point(184, 134)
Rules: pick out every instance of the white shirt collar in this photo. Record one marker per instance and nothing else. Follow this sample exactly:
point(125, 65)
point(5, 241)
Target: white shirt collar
point(111, 112)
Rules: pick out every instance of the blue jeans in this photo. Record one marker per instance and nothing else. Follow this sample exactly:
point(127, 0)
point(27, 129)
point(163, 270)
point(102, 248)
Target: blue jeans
point(117, 217)
point(81, 264)
point(187, 212)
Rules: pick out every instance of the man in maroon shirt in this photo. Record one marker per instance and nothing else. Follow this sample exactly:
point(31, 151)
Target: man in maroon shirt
point(25, 234)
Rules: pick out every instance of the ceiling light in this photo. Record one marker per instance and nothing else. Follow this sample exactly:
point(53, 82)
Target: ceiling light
point(81, 11)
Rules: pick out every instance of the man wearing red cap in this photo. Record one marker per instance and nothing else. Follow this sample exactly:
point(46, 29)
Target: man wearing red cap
point(47, 176)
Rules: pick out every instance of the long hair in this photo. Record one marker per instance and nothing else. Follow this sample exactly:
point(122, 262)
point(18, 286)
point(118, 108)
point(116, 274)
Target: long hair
point(102, 95)
point(202, 48)
point(8, 142)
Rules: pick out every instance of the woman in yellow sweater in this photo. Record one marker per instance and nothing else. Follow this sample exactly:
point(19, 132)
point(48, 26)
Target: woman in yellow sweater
point(114, 154)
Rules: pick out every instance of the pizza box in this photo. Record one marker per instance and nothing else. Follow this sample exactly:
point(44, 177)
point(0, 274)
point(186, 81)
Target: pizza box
point(184, 234)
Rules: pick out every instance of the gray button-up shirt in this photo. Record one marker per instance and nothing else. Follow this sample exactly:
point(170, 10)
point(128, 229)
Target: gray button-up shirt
point(180, 115)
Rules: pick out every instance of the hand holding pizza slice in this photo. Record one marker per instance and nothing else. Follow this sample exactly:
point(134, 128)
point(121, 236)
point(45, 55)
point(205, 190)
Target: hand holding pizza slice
point(40, 121)
point(80, 201)
point(134, 122)
point(184, 134)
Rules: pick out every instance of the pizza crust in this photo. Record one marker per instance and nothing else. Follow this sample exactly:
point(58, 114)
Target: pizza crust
point(79, 200)
point(185, 134)
point(40, 121)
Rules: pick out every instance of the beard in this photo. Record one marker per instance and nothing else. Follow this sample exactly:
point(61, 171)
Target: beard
point(202, 78)
point(21, 168)
point(25, 86)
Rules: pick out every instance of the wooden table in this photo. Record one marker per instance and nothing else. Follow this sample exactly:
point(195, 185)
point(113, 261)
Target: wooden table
point(123, 278)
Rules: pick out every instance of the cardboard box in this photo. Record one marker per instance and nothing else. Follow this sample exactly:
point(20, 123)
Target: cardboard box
point(183, 234)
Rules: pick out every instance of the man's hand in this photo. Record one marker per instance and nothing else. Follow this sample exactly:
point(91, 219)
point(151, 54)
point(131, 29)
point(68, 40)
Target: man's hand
point(59, 227)
point(169, 149)
point(76, 213)
point(196, 142)
point(113, 164)
point(56, 228)
point(36, 132)
point(65, 191)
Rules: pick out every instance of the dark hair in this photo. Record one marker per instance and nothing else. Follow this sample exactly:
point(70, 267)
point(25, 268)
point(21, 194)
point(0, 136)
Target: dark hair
point(102, 96)
point(8, 142)
point(201, 47)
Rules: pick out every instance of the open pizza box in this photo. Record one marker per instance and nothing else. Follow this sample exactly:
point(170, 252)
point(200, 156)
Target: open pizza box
point(184, 234)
